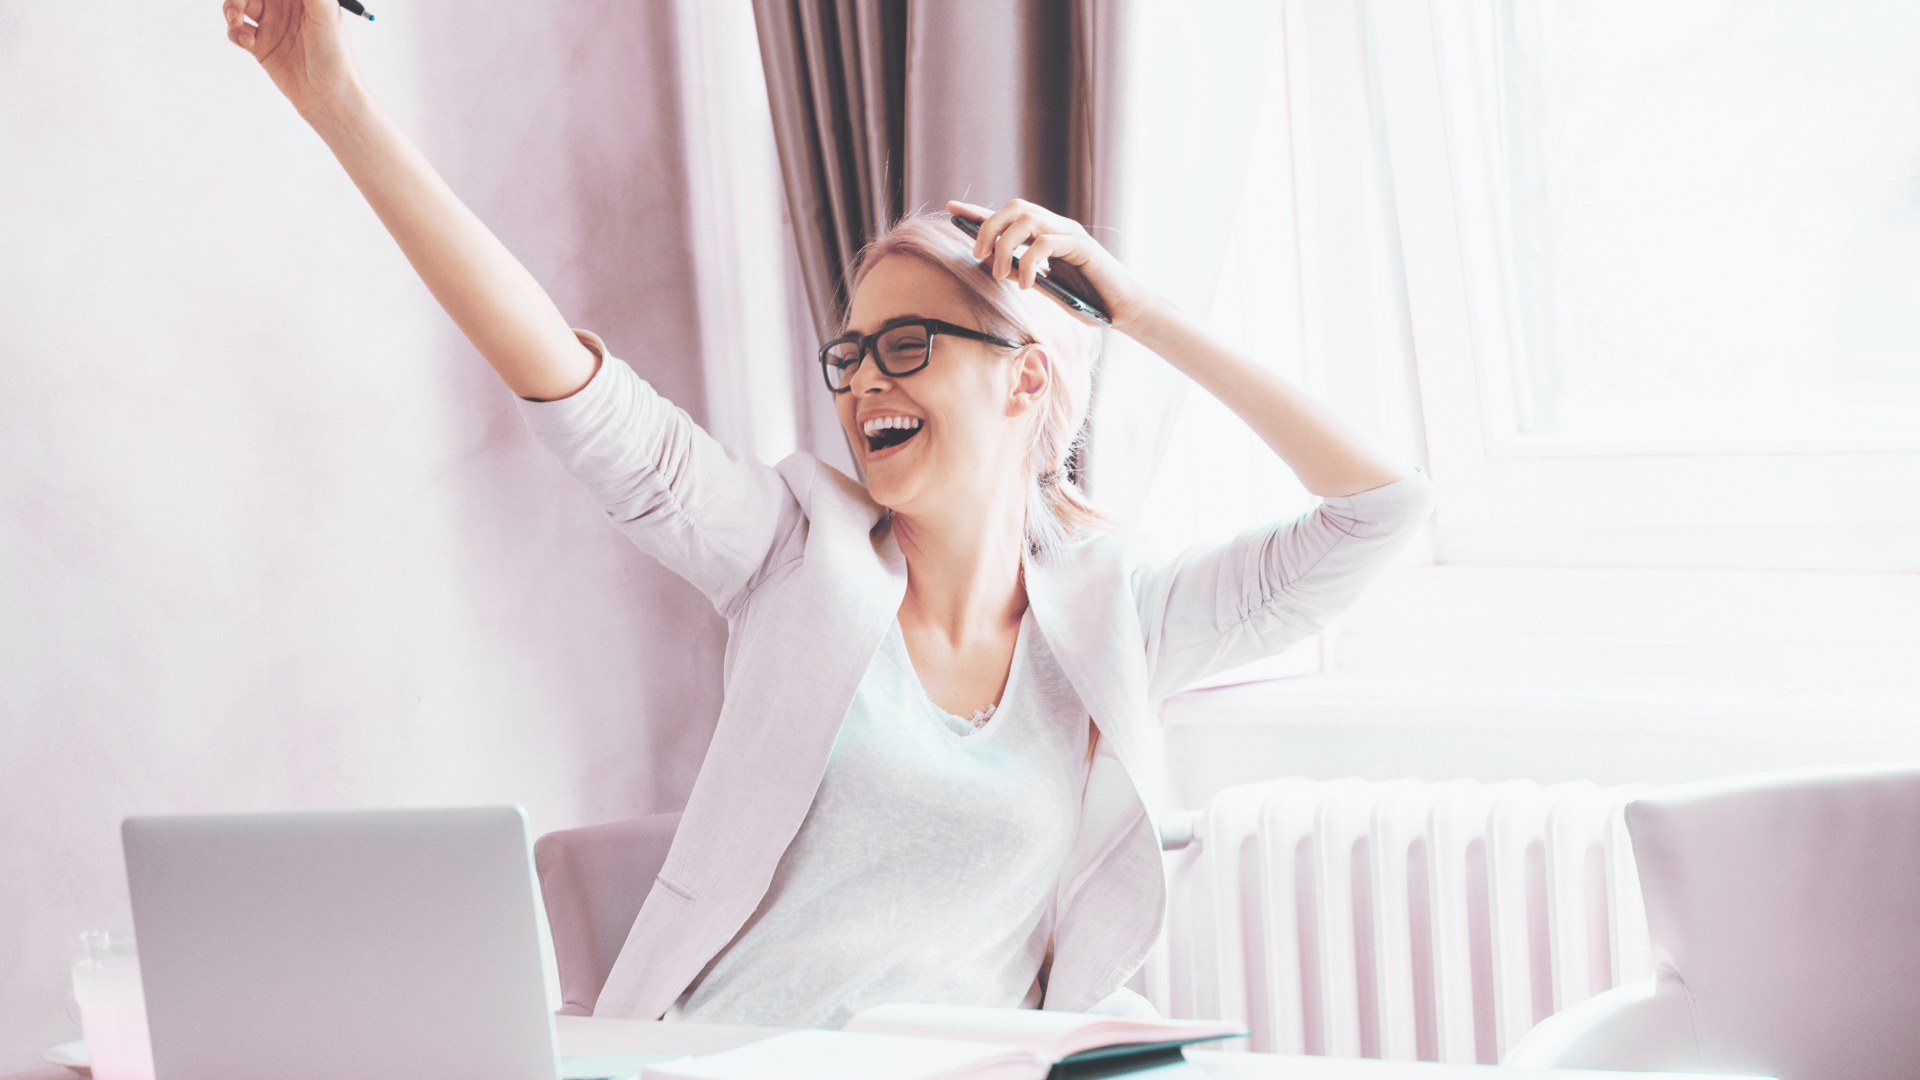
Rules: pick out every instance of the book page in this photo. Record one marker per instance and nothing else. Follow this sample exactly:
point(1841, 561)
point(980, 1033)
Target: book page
point(838, 1055)
point(1054, 1035)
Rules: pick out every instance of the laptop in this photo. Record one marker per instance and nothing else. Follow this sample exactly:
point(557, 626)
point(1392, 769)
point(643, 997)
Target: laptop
point(316, 946)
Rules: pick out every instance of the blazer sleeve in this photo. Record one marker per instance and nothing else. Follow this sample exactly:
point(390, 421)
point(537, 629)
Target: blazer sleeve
point(712, 515)
point(1215, 608)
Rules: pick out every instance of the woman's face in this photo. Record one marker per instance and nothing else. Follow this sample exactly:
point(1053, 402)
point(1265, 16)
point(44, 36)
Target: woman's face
point(967, 416)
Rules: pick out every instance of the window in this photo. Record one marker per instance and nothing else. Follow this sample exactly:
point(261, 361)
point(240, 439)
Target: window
point(1662, 278)
point(1518, 242)
point(1708, 223)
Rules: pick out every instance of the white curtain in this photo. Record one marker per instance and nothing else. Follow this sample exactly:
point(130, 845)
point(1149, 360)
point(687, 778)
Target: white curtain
point(755, 364)
point(1257, 200)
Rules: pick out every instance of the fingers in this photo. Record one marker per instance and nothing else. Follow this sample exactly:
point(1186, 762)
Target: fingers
point(967, 209)
point(983, 240)
point(239, 31)
point(1038, 258)
point(1013, 234)
point(1014, 224)
point(1018, 222)
point(991, 228)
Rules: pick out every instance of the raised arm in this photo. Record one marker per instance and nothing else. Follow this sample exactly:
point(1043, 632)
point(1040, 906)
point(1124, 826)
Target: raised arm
point(491, 297)
point(1219, 606)
point(1328, 452)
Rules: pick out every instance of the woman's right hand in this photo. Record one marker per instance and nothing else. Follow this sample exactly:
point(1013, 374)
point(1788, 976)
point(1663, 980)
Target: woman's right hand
point(301, 45)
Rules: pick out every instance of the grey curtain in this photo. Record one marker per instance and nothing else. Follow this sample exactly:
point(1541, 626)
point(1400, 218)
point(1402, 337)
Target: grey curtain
point(885, 106)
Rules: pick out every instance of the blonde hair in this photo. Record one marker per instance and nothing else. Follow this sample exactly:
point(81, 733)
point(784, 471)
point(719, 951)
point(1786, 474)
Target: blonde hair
point(1058, 512)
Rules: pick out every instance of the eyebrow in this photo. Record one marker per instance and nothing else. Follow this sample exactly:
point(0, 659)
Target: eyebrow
point(897, 320)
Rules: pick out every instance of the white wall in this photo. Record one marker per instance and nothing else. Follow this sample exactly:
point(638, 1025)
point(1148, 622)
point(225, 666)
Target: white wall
point(271, 534)
point(1611, 675)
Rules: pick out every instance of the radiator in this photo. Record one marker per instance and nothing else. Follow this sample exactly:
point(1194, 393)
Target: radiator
point(1401, 919)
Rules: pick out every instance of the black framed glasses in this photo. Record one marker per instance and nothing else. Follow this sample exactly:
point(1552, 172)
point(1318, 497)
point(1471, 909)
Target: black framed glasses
point(901, 347)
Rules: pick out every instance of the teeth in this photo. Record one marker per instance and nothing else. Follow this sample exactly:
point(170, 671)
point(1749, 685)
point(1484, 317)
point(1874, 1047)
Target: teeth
point(880, 423)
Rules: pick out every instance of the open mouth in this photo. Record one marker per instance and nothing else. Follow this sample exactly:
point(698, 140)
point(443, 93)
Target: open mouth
point(884, 432)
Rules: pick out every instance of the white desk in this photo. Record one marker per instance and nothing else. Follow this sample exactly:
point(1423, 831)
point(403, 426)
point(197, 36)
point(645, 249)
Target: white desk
point(588, 1035)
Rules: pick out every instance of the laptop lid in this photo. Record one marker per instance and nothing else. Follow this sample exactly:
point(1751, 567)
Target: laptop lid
point(315, 946)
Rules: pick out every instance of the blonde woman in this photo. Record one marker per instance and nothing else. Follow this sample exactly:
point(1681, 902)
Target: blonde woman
point(931, 777)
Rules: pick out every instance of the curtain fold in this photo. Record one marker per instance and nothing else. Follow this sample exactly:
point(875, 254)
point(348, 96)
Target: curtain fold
point(883, 106)
point(836, 86)
point(1094, 132)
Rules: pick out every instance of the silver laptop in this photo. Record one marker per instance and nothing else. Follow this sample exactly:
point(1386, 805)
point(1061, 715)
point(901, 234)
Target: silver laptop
point(317, 946)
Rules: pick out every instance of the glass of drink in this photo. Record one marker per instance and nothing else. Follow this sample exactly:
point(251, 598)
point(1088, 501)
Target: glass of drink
point(113, 1007)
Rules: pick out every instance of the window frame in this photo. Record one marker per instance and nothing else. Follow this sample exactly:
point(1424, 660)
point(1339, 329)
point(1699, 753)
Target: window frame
point(1530, 500)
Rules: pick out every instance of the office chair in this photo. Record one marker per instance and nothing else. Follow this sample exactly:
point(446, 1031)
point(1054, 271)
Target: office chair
point(594, 880)
point(1784, 910)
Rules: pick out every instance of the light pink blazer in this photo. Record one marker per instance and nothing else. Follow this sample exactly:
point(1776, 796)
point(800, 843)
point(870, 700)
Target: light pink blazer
point(799, 560)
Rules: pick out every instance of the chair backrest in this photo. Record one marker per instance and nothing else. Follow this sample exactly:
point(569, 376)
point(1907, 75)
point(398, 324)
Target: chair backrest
point(594, 880)
point(1789, 906)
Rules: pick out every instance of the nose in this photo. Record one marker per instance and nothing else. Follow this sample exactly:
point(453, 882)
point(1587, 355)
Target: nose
point(868, 378)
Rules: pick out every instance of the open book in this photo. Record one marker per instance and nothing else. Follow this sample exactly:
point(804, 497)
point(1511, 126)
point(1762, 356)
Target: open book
point(956, 1042)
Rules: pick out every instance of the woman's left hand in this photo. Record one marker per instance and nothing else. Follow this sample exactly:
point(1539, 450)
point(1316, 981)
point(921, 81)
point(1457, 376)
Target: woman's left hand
point(1050, 236)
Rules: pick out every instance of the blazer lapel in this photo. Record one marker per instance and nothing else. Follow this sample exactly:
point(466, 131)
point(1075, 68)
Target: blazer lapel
point(806, 643)
point(1112, 899)
point(1085, 610)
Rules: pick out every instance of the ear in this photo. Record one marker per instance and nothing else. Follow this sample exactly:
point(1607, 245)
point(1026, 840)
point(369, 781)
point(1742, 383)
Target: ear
point(1032, 378)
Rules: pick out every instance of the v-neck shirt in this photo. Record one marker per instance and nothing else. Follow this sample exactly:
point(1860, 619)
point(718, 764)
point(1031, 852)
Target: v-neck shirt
point(926, 868)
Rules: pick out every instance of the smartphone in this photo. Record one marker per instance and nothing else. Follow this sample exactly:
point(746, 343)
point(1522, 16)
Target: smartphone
point(1078, 298)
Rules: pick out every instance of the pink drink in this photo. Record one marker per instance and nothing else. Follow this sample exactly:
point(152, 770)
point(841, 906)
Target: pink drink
point(113, 1008)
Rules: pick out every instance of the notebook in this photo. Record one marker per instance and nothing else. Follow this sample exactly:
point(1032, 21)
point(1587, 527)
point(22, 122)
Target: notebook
point(956, 1042)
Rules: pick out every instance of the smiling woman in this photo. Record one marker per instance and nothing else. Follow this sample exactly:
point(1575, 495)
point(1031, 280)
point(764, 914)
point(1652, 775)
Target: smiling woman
point(1004, 336)
point(853, 838)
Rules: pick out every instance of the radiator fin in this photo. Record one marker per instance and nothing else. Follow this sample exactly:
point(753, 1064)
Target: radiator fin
point(1399, 919)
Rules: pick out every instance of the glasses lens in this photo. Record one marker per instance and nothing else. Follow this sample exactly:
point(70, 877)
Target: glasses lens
point(840, 359)
point(903, 350)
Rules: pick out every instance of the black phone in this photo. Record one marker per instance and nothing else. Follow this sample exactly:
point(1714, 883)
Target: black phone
point(1078, 298)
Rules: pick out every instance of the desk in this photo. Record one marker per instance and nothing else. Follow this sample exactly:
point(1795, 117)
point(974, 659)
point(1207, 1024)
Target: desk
point(590, 1035)
point(582, 1035)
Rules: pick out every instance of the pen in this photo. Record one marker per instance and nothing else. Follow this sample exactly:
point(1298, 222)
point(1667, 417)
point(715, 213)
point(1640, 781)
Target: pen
point(355, 7)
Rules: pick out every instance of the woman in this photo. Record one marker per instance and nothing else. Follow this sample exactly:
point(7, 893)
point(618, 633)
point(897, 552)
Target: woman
point(932, 776)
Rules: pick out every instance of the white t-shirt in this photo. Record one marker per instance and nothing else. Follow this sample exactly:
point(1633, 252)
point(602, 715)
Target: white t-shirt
point(925, 870)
